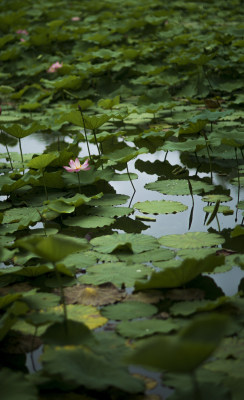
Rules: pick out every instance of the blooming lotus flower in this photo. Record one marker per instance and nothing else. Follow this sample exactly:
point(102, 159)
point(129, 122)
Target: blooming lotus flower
point(54, 67)
point(22, 32)
point(75, 19)
point(76, 166)
point(22, 40)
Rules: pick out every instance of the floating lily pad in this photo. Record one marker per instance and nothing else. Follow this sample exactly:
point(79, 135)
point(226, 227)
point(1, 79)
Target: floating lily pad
point(110, 200)
point(118, 273)
point(226, 210)
point(160, 207)
point(179, 187)
point(147, 327)
point(133, 242)
point(213, 198)
point(179, 275)
point(191, 240)
point(128, 310)
point(89, 221)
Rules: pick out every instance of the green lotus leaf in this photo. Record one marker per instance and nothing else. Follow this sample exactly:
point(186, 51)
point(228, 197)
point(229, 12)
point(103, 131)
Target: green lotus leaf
point(108, 104)
point(132, 242)
point(8, 299)
point(24, 216)
point(124, 155)
point(193, 127)
point(42, 161)
point(178, 275)
point(213, 198)
point(196, 253)
point(191, 240)
point(190, 145)
point(68, 205)
point(237, 231)
point(146, 256)
point(110, 200)
point(160, 207)
point(38, 301)
point(12, 379)
point(109, 211)
point(118, 273)
point(186, 351)
point(89, 221)
point(146, 327)
point(226, 210)
point(18, 132)
point(179, 187)
point(52, 248)
point(90, 366)
point(186, 308)
point(128, 310)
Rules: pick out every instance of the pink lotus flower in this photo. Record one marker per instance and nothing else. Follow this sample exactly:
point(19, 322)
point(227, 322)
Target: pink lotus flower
point(22, 40)
point(76, 166)
point(22, 32)
point(75, 19)
point(54, 67)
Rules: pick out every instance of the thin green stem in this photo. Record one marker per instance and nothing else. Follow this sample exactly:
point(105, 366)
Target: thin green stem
point(79, 181)
point(95, 137)
point(130, 177)
point(238, 177)
point(32, 349)
point(217, 219)
point(44, 183)
point(84, 125)
point(62, 298)
point(10, 160)
point(209, 157)
point(21, 154)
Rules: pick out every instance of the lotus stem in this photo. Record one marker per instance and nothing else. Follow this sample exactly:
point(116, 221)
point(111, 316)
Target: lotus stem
point(130, 177)
point(79, 182)
point(44, 183)
point(32, 349)
point(21, 154)
point(84, 125)
point(10, 160)
point(62, 298)
point(209, 157)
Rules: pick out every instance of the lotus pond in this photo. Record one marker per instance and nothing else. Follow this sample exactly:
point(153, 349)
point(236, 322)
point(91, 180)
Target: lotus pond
point(121, 275)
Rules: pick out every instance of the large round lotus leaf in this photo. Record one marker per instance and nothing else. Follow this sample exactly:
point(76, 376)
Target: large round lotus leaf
point(179, 275)
point(109, 211)
point(213, 198)
point(97, 367)
point(89, 221)
point(52, 248)
point(128, 310)
point(147, 256)
point(183, 352)
point(191, 240)
point(226, 210)
point(118, 273)
point(179, 187)
point(146, 327)
point(129, 241)
point(110, 200)
point(196, 253)
point(11, 380)
point(160, 207)
point(43, 160)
